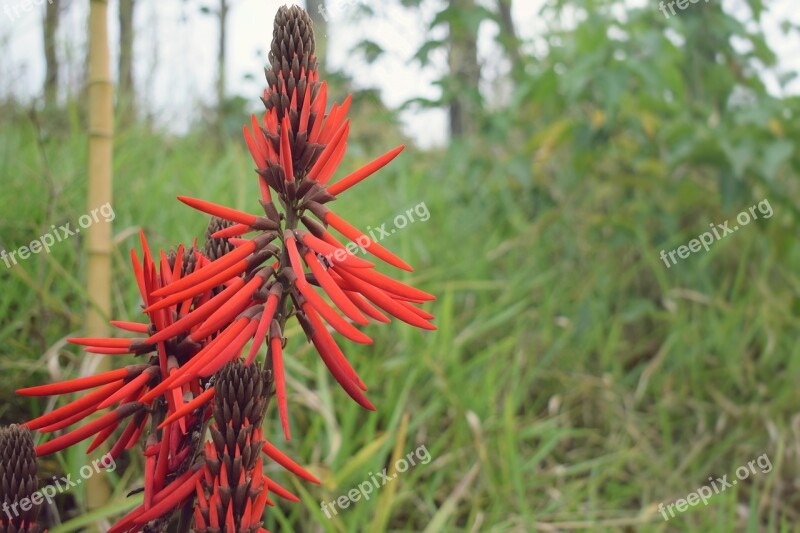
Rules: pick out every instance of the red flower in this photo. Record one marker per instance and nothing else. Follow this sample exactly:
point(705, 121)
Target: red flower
point(297, 149)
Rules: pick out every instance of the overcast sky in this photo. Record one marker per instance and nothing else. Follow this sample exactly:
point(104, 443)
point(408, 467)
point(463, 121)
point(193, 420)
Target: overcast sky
point(176, 50)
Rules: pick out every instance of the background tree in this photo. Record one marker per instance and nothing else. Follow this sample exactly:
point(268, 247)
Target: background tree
point(222, 53)
point(50, 26)
point(126, 93)
point(465, 71)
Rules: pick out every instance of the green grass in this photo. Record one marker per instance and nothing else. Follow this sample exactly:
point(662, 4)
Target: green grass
point(574, 382)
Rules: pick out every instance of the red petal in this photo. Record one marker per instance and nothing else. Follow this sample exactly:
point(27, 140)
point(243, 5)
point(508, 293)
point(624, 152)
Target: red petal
point(74, 385)
point(219, 210)
point(333, 290)
point(263, 325)
point(203, 274)
point(280, 383)
point(89, 401)
point(286, 462)
point(364, 172)
point(371, 246)
point(77, 435)
point(286, 151)
point(189, 407)
point(198, 315)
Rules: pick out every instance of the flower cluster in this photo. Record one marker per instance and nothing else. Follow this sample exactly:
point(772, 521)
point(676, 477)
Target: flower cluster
point(203, 307)
point(18, 481)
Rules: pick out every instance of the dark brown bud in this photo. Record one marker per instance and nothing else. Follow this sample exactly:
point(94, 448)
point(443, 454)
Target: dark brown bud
point(18, 481)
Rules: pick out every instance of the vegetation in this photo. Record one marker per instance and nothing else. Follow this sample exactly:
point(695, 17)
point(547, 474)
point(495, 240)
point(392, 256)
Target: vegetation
point(574, 382)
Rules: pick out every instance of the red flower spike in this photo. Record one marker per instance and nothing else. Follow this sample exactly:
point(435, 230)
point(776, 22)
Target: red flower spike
point(203, 310)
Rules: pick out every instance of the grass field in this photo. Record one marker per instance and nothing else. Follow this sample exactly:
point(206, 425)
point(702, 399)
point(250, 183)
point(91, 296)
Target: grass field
point(574, 381)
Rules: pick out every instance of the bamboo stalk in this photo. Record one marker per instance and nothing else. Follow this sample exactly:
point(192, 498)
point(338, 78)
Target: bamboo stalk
point(98, 236)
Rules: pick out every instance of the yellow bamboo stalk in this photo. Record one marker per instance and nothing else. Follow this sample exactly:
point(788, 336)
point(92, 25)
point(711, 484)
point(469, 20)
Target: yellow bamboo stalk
point(98, 236)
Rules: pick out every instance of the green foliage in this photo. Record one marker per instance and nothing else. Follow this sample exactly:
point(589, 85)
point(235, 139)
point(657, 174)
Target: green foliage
point(575, 382)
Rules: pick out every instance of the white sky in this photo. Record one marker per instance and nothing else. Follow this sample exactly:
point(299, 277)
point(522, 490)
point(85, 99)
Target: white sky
point(176, 50)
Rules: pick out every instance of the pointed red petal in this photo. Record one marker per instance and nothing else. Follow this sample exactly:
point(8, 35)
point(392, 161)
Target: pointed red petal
point(219, 210)
point(189, 407)
point(74, 385)
point(280, 382)
point(89, 401)
point(364, 172)
point(280, 491)
point(333, 290)
point(286, 462)
point(77, 435)
point(198, 315)
point(203, 274)
point(365, 242)
point(286, 150)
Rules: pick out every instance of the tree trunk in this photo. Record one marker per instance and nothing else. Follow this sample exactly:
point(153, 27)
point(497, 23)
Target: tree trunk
point(51, 17)
point(98, 236)
point(509, 38)
point(320, 16)
point(126, 94)
point(222, 53)
point(464, 69)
